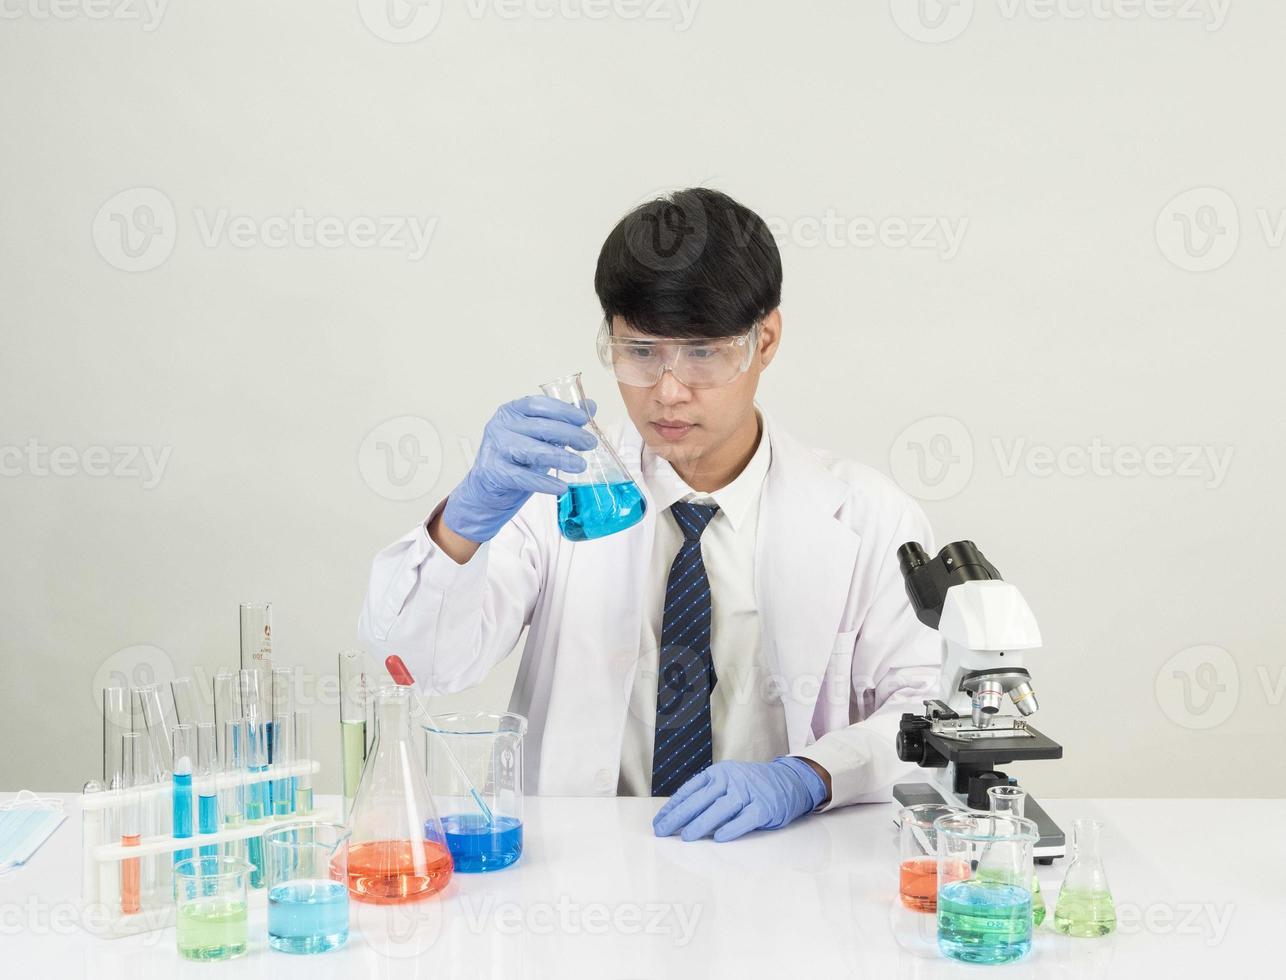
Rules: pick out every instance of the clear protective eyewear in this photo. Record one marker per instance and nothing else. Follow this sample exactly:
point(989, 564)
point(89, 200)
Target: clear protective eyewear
point(694, 362)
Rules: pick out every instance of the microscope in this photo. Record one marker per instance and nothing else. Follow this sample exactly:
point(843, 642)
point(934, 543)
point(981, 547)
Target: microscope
point(985, 624)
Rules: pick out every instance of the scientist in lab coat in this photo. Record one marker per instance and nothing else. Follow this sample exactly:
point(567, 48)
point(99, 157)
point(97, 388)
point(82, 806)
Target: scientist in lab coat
point(748, 648)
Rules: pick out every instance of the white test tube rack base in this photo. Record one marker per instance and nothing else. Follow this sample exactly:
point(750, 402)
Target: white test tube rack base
point(100, 903)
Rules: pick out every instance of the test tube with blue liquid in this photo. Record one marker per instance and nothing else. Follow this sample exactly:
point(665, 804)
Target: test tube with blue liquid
point(603, 498)
point(207, 811)
point(283, 794)
point(184, 760)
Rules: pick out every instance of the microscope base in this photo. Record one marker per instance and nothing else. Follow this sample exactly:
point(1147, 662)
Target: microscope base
point(1052, 843)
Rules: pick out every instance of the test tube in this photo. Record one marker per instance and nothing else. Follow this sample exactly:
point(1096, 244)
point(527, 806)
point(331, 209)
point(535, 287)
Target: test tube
point(116, 722)
point(189, 706)
point(227, 703)
point(256, 636)
point(184, 762)
point(157, 727)
point(283, 703)
point(304, 754)
point(352, 722)
point(283, 796)
point(256, 794)
point(132, 758)
point(207, 809)
point(232, 796)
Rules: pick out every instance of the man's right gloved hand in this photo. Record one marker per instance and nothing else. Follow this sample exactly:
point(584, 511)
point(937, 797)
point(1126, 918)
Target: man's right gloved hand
point(523, 440)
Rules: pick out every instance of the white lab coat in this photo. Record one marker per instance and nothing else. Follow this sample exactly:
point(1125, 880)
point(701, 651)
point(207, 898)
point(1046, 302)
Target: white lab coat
point(839, 634)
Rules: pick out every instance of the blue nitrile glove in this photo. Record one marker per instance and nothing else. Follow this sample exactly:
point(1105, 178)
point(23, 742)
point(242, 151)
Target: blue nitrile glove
point(733, 798)
point(523, 440)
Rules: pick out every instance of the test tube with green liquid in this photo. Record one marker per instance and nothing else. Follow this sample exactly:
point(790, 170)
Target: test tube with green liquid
point(352, 722)
point(304, 754)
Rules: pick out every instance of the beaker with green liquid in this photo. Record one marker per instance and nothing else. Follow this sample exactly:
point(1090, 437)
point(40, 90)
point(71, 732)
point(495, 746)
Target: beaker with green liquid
point(1085, 908)
point(210, 895)
point(986, 915)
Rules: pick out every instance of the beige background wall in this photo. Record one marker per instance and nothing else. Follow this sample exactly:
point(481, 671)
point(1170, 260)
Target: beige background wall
point(1033, 264)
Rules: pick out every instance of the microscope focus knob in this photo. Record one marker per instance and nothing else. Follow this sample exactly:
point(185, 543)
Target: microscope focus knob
point(910, 743)
point(978, 786)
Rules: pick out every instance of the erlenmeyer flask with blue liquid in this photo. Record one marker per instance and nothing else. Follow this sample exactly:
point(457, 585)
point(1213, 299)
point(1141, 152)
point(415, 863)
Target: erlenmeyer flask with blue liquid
point(603, 499)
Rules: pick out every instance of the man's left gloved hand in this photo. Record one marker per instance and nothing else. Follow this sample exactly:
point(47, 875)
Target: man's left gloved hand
point(733, 798)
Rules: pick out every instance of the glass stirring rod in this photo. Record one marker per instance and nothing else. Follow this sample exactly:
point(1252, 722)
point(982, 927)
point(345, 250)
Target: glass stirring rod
point(402, 677)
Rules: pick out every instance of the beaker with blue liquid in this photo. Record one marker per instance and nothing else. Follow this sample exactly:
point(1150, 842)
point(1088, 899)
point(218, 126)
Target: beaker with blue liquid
point(483, 828)
point(604, 498)
point(985, 875)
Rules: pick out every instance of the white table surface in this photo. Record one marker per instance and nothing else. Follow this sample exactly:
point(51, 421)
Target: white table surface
point(1199, 887)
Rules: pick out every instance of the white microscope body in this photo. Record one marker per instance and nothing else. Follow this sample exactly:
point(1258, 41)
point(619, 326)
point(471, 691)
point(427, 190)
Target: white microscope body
point(986, 625)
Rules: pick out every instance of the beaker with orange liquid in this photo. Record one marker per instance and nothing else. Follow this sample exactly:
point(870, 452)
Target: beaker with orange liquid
point(397, 852)
point(918, 870)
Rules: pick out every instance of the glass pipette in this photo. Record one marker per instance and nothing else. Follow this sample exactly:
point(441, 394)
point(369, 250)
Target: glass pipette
point(402, 677)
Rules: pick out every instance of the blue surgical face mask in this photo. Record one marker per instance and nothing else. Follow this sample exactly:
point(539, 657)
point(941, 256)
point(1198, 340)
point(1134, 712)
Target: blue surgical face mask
point(26, 822)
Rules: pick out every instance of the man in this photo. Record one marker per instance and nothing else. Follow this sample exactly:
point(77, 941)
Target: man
point(747, 648)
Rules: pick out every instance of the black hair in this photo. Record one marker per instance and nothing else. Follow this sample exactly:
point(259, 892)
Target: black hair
point(694, 263)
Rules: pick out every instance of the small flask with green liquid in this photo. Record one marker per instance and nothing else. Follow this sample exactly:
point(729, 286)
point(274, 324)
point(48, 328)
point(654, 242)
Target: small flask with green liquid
point(1085, 907)
point(1011, 800)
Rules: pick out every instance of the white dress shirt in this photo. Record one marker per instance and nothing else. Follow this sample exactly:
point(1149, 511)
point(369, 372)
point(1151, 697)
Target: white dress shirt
point(747, 720)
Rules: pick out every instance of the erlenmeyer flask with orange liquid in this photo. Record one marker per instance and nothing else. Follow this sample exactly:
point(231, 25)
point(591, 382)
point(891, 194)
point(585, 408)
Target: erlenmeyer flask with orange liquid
point(397, 852)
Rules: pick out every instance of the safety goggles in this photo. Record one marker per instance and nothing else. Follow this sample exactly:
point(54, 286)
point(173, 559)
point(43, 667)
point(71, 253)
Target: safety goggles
point(695, 363)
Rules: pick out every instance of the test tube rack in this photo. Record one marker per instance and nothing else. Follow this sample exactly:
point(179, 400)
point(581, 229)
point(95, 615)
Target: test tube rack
point(100, 904)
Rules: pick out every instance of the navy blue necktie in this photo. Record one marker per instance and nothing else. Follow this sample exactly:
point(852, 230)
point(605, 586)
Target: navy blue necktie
point(685, 672)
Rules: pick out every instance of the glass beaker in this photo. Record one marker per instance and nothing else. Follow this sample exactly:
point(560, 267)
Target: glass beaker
point(604, 498)
point(985, 917)
point(918, 867)
point(210, 893)
point(489, 749)
point(398, 851)
point(1012, 800)
point(307, 887)
point(1085, 907)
